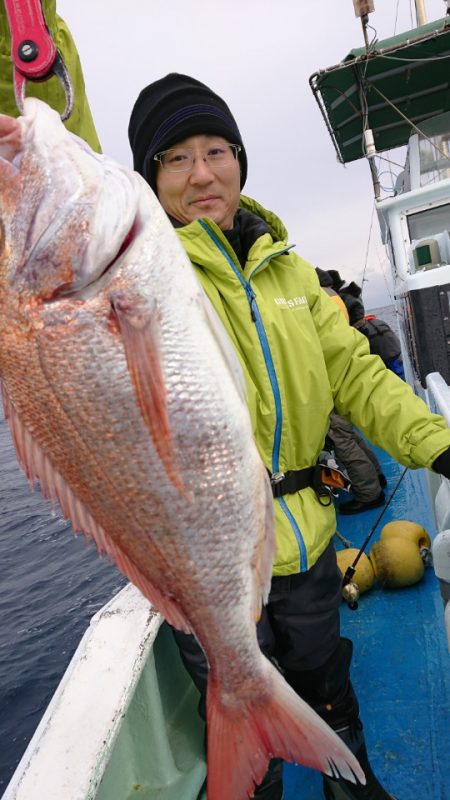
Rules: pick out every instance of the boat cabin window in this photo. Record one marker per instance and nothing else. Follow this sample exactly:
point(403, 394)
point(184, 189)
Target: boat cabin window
point(429, 222)
point(434, 151)
point(429, 233)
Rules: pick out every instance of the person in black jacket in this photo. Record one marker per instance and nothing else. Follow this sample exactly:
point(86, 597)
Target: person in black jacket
point(383, 341)
point(363, 468)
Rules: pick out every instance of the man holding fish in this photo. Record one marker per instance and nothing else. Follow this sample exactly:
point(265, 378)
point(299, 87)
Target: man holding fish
point(299, 359)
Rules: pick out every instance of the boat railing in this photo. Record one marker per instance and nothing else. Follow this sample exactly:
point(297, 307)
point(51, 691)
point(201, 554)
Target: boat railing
point(438, 395)
point(123, 718)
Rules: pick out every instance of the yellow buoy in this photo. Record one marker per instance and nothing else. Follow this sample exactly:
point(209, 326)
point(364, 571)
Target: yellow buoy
point(403, 529)
point(396, 562)
point(363, 576)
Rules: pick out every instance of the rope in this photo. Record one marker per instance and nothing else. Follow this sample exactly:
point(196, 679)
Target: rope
point(368, 245)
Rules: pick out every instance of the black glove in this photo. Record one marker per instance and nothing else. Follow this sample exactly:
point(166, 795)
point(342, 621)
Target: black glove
point(442, 464)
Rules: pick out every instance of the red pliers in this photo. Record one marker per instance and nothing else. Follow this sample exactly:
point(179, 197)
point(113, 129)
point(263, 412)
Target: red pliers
point(33, 51)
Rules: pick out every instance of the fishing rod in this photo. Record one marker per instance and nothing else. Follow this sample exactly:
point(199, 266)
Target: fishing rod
point(350, 590)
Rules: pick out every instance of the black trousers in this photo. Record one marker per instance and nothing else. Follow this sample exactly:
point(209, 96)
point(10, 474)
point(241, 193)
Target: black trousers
point(300, 630)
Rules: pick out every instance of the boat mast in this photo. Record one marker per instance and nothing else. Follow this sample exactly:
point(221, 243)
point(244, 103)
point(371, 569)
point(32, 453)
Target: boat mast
point(362, 9)
point(421, 14)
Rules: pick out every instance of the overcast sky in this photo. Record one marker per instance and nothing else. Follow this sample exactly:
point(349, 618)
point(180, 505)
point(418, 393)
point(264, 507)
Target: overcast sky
point(258, 55)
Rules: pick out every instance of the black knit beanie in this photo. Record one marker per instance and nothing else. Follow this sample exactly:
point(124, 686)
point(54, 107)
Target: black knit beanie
point(355, 307)
point(336, 281)
point(172, 109)
point(324, 278)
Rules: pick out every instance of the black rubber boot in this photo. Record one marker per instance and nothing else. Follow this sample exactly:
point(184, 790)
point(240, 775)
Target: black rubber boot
point(329, 691)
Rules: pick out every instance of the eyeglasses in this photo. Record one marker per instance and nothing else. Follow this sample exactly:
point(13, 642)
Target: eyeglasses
point(182, 159)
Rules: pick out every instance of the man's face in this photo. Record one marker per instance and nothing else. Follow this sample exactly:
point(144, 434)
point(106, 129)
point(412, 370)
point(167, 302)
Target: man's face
point(206, 190)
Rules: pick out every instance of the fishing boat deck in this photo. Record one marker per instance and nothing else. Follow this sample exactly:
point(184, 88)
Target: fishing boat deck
point(401, 664)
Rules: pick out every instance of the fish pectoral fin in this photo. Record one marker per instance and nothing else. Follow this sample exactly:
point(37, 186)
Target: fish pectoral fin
point(139, 327)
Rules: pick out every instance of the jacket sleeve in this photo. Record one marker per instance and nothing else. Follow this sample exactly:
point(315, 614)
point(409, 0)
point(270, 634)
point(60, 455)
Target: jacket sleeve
point(51, 91)
point(368, 394)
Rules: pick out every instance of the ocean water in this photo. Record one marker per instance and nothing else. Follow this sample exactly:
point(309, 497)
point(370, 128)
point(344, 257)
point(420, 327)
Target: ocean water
point(51, 584)
point(388, 314)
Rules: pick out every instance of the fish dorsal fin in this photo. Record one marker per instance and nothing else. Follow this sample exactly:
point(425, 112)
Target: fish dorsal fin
point(38, 467)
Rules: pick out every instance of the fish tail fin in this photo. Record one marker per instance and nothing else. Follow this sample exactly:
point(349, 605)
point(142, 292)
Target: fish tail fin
point(242, 739)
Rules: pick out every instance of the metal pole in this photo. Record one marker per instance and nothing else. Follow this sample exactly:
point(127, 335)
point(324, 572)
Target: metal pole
point(375, 179)
point(421, 13)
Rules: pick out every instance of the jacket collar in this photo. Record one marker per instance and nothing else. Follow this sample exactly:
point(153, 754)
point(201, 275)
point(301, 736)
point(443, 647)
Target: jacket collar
point(262, 234)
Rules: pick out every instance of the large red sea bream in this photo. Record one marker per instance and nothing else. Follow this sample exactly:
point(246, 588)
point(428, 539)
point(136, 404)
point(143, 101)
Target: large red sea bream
point(126, 403)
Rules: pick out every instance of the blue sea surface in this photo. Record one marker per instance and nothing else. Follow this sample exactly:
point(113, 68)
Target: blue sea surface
point(389, 314)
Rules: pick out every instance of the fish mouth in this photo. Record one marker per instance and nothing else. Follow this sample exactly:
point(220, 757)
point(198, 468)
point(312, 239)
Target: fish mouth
point(68, 289)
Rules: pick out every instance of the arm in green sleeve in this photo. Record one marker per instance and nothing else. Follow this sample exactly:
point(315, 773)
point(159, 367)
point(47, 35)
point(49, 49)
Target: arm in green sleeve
point(379, 403)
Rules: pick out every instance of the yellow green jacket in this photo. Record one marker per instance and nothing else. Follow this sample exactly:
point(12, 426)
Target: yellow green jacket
point(51, 91)
point(300, 359)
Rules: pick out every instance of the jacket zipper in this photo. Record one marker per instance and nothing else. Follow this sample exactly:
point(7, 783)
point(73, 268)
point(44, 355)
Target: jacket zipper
point(256, 318)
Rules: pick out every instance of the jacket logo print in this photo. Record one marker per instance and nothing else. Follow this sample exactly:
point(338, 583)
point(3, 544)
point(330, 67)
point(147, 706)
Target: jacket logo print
point(298, 303)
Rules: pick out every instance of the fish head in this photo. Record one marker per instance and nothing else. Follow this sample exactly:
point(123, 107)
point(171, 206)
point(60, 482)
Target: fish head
point(66, 212)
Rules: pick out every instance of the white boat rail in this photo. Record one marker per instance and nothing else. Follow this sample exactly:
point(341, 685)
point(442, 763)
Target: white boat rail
point(69, 745)
point(115, 716)
point(438, 395)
